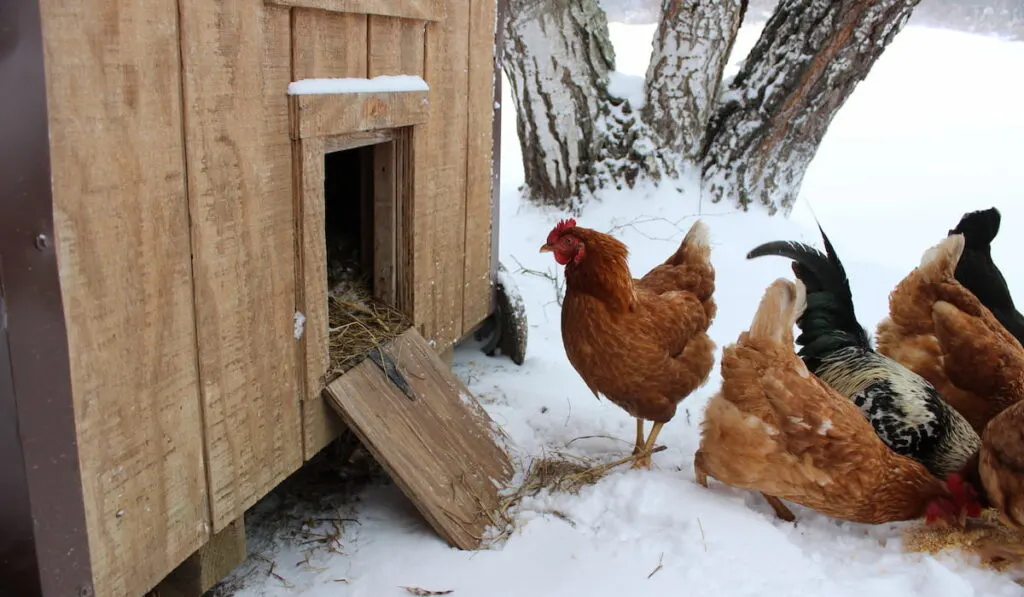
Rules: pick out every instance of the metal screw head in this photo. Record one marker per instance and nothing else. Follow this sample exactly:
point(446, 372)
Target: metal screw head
point(85, 591)
point(42, 242)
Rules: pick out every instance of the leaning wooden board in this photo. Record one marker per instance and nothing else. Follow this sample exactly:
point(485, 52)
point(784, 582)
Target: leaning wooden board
point(440, 448)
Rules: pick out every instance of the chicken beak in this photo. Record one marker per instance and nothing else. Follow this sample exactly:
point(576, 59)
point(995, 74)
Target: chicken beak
point(545, 248)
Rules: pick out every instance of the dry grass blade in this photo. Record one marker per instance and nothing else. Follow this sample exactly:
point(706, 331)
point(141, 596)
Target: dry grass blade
point(998, 546)
point(563, 472)
point(425, 592)
point(359, 323)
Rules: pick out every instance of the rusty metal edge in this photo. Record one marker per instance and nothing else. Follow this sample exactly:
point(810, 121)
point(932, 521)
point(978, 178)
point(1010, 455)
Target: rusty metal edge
point(42, 514)
point(499, 50)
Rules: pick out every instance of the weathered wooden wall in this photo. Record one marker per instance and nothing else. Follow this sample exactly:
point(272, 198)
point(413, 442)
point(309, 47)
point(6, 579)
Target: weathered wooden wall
point(175, 217)
point(237, 67)
point(122, 226)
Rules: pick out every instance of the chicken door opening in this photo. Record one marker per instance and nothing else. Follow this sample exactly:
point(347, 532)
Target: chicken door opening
point(358, 321)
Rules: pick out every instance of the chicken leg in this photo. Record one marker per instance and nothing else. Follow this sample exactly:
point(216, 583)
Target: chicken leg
point(639, 437)
point(780, 509)
point(644, 460)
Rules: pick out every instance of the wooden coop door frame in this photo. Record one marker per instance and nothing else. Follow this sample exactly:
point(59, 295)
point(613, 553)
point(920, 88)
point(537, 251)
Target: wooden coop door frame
point(392, 234)
point(44, 546)
point(417, 10)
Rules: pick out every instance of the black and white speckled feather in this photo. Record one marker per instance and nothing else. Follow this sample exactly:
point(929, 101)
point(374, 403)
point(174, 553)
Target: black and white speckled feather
point(906, 411)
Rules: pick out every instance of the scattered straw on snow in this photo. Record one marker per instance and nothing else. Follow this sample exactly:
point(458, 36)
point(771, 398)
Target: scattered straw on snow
point(998, 546)
point(558, 472)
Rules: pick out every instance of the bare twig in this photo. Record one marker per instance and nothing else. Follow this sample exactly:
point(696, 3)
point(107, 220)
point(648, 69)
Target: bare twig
point(658, 567)
point(425, 593)
point(556, 280)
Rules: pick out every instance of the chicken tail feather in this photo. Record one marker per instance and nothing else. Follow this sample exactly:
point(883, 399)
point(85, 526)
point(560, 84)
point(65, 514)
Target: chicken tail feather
point(979, 227)
point(696, 246)
point(828, 322)
point(782, 304)
point(939, 262)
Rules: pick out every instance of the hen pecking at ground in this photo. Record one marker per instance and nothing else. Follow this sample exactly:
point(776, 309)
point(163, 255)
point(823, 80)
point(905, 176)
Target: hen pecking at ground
point(776, 428)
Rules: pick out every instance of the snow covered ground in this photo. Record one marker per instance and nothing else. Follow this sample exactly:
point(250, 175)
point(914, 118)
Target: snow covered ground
point(935, 130)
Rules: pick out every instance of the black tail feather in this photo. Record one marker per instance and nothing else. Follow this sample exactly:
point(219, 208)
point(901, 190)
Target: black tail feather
point(978, 272)
point(979, 227)
point(829, 321)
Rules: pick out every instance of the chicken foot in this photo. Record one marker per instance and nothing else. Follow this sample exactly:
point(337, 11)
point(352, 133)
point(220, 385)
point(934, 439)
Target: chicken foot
point(644, 459)
point(780, 509)
point(638, 448)
point(604, 468)
point(701, 475)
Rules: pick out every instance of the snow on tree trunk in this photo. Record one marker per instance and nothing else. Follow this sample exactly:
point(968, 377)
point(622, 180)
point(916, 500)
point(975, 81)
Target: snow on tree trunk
point(558, 55)
point(575, 135)
point(773, 115)
point(691, 47)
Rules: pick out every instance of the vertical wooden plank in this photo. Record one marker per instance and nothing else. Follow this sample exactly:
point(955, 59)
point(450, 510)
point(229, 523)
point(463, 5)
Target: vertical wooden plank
point(328, 44)
point(237, 69)
point(395, 46)
point(205, 568)
point(405, 218)
point(122, 237)
point(476, 299)
point(323, 45)
point(384, 221)
point(440, 175)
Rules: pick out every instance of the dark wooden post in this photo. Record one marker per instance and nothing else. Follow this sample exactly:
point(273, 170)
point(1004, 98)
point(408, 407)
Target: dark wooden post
point(499, 53)
point(44, 548)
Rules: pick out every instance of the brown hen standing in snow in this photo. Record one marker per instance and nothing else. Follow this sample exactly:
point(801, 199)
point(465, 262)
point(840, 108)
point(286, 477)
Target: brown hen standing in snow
point(642, 343)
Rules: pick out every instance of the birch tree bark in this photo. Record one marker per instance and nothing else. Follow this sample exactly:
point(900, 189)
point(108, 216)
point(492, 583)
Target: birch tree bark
point(774, 114)
point(557, 58)
point(691, 47)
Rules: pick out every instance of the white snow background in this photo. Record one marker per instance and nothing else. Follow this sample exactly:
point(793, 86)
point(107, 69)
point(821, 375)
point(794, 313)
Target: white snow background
point(935, 130)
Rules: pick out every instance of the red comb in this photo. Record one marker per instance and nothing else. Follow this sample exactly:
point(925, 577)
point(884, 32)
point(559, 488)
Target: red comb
point(560, 228)
point(964, 494)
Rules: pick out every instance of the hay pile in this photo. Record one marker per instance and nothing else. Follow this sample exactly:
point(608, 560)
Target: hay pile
point(998, 546)
point(357, 324)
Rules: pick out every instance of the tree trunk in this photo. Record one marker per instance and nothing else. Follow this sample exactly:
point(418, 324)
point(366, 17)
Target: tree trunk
point(558, 55)
point(772, 117)
point(691, 48)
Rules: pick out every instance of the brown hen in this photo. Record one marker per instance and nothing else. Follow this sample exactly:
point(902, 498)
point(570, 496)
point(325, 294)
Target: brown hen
point(940, 330)
point(980, 358)
point(776, 428)
point(642, 343)
point(1001, 465)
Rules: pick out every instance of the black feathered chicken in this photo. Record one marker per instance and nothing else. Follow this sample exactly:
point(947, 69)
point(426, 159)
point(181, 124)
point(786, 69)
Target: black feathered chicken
point(979, 274)
point(906, 411)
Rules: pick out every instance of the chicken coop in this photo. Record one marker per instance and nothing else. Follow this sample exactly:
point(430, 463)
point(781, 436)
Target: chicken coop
point(199, 198)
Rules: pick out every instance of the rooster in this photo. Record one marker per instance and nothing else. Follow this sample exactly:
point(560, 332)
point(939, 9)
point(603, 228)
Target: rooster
point(643, 343)
point(906, 411)
point(777, 429)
